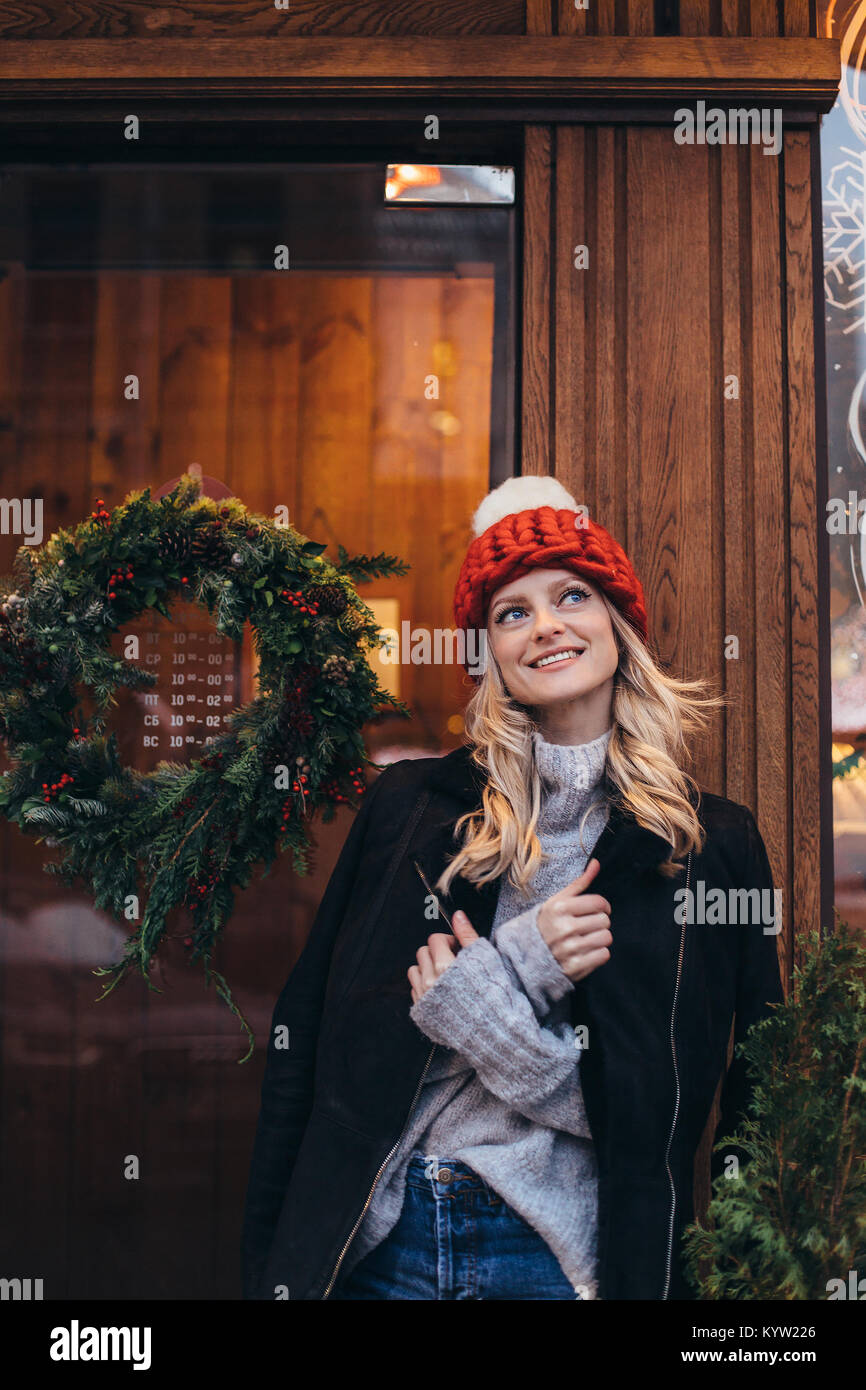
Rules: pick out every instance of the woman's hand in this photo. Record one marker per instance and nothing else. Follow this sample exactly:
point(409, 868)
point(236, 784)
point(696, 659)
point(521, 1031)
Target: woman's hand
point(435, 958)
point(576, 926)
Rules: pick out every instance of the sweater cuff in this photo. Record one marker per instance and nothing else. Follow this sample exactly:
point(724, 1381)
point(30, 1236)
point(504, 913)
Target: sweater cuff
point(520, 941)
point(438, 1012)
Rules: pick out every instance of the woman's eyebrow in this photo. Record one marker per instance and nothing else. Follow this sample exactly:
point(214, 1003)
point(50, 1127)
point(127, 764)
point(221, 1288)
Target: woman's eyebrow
point(522, 598)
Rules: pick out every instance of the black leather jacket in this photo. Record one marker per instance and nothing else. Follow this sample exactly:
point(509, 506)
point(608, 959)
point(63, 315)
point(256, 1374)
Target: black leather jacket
point(334, 1104)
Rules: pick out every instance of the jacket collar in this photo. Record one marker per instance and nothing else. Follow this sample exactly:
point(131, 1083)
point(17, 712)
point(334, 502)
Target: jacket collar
point(455, 781)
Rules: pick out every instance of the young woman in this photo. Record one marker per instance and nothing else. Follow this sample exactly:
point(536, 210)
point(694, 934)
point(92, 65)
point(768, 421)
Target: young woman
point(505, 1033)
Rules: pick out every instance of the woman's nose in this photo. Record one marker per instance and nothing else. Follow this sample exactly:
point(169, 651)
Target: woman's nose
point(548, 620)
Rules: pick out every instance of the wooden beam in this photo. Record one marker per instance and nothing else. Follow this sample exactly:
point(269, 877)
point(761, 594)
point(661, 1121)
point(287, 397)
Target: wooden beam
point(778, 70)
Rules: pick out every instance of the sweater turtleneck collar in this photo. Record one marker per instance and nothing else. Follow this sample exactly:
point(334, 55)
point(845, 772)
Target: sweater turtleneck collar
point(571, 774)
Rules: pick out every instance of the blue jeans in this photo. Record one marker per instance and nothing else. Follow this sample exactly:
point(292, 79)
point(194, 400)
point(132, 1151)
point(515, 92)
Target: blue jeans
point(456, 1239)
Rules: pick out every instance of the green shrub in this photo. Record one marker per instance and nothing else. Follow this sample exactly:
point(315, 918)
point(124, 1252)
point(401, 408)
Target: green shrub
point(794, 1218)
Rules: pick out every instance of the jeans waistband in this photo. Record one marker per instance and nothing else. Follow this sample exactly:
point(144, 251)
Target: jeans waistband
point(444, 1174)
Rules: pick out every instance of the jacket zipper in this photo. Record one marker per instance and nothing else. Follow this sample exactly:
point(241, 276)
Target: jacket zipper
point(677, 1101)
point(387, 1159)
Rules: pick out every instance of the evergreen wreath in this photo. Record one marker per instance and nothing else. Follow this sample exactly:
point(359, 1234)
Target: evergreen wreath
point(183, 835)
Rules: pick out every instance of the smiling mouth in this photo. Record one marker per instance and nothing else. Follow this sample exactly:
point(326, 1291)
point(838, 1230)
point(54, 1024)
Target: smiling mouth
point(558, 659)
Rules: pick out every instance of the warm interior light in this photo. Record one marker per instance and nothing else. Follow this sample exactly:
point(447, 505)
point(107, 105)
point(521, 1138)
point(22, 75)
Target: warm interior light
point(412, 176)
point(387, 614)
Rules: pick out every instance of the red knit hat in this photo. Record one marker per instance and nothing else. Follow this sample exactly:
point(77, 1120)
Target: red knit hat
point(532, 523)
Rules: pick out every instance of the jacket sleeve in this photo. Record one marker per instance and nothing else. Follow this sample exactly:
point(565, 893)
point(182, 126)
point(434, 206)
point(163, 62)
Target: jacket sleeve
point(759, 985)
point(287, 1087)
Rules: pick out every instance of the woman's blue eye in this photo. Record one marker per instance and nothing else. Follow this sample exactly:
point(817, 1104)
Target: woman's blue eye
point(516, 608)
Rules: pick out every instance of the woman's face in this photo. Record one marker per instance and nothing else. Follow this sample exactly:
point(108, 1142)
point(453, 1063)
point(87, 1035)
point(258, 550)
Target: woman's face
point(553, 611)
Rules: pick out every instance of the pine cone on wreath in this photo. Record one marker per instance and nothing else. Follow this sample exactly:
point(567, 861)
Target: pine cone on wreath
point(208, 543)
point(174, 545)
point(331, 598)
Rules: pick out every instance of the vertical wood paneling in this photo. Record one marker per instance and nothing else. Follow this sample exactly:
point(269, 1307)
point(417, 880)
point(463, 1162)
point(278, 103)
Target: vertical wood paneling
point(195, 322)
point(539, 16)
point(263, 464)
point(714, 498)
point(604, 14)
point(770, 521)
point(335, 390)
point(126, 343)
point(735, 291)
point(536, 420)
point(641, 18)
point(571, 363)
point(805, 515)
point(13, 296)
point(796, 20)
point(763, 19)
point(573, 21)
point(666, 471)
point(609, 314)
point(698, 17)
point(463, 463)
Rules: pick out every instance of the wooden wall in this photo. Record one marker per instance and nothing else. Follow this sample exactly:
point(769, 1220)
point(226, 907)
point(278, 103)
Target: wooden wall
point(701, 268)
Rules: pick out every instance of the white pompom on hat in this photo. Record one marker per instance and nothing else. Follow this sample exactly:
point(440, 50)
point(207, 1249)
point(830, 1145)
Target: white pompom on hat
point(519, 495)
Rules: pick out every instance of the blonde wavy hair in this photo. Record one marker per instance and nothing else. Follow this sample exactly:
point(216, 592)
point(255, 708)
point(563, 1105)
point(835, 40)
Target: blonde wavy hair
point(652, 715)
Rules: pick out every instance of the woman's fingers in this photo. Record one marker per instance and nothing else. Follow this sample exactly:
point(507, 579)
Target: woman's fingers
point(585, 925)
point(579, 965)
point(579, 903)
point(594, 941)
point(415, 982)
point(433, 960)
point(425, 966)
point(591, 961)
point(439, 948)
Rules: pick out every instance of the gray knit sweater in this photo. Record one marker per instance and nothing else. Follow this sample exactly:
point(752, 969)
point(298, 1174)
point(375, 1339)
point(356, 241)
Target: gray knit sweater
point(502, 1093)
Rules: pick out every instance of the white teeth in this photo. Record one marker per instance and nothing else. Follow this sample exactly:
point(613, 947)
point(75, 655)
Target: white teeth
point(560, 656)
